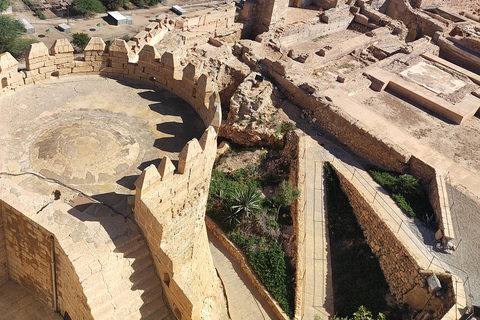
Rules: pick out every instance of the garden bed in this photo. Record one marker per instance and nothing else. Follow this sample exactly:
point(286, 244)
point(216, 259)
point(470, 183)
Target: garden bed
point(248, 198)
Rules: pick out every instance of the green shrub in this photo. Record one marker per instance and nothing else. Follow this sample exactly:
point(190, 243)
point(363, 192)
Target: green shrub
point(407, 193)
point(40, 15)
point(271, 266)
point(80, 40)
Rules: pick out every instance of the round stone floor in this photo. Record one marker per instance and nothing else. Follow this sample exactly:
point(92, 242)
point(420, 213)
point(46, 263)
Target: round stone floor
point(93, 133)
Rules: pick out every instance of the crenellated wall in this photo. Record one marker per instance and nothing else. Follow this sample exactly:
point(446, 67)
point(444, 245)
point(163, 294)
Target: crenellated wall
point(170, 209)
point(164, 71)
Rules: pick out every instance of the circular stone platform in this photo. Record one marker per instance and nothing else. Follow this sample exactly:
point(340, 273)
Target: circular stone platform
point(93, 133)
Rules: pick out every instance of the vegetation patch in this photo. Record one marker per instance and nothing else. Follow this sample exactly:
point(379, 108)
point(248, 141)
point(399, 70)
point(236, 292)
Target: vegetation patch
point(254, 221)
point(407, 192)
point(357, 277)
point(10, 36)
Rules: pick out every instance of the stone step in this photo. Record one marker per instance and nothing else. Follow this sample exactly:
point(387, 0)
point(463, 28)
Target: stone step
point(139, 276)
point(141, 264)
point(148, 284)
point(130, 247)
point(152, 294)
point(155, 310)
point(140, 253)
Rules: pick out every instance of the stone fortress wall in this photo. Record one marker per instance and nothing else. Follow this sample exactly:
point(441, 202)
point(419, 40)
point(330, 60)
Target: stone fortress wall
point(178, 240)
point(170, 209)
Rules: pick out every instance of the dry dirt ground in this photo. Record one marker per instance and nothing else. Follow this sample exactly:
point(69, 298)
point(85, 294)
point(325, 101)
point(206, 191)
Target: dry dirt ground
point(141, 18)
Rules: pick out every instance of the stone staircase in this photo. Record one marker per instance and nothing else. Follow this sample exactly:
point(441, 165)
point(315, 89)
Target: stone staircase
point(112, 261)
point(131, 287)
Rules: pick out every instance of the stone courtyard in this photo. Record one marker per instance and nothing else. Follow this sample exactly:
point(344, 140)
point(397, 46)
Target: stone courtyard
point(106, 157)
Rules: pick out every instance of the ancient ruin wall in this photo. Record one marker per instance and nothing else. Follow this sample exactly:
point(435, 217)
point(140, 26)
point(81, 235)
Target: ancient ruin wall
point(170, 209)
point(418, 23)
point(340, 125)
point(454, 52)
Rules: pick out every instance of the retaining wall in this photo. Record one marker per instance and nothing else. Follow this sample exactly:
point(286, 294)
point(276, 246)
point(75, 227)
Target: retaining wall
point(406, 278)
point(246, 267)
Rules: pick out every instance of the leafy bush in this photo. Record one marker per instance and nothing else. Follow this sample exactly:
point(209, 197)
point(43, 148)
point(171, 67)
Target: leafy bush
point(269, 262)
point(40, 15)
point(87, 7)
point(407, 193)
point(80, 40)
point(283, 128)
point(10, 31)
point(4, 5)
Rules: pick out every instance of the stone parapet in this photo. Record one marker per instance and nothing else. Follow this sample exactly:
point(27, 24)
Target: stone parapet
point(170, 209)
point(164, 71)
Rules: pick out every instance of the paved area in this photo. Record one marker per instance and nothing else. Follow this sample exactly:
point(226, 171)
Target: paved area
point(244, 301)
point(93, 132)
point(318, 296)
point(16, 303)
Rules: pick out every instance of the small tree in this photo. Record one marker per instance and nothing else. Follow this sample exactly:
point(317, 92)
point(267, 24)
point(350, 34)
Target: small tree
point(285, 195)
point(88, 7)
point(80, 40)
point(4, 5)
point(10, 32)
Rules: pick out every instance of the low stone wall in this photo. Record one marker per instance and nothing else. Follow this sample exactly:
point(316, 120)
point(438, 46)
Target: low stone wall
point(70, 293)
point(297, 176)
point(246, 267)
point(454, 52)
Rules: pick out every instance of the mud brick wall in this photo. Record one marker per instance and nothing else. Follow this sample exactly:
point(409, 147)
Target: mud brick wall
point(29, 253)
point(170, 210)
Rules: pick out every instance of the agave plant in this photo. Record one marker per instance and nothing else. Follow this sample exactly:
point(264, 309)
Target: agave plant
point(231, 217)
point(246, 202)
